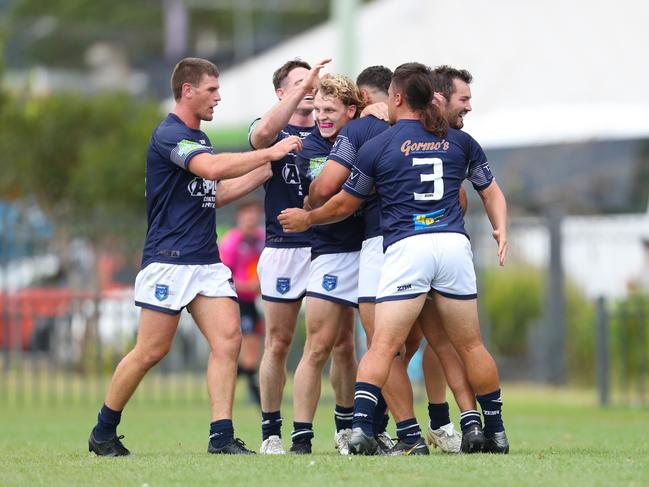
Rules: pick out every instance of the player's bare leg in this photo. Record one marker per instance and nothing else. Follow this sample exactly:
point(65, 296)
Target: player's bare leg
point(218, 320)
point(323, 321)
point(342, 375)
point(460, 321)
point(393, 322)
point(155, 335)
point(280, 319)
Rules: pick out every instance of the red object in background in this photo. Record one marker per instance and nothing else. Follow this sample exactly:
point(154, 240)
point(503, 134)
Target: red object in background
point(20, 312)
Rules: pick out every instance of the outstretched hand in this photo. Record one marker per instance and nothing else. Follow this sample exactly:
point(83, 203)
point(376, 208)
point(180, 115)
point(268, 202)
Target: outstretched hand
point(310, 83)
point(294, 220)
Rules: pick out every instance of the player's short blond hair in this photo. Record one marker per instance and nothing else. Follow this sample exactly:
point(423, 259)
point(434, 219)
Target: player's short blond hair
point(343, 88)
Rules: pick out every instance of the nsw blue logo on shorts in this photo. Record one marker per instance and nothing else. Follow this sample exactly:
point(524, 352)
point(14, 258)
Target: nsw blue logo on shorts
point(283, 285)
point(161, 292)
point(329, 282)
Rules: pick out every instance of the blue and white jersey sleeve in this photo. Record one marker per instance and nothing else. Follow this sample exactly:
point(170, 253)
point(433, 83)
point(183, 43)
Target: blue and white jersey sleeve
point(352, 137)
point(180, 151)
point(478, 171)
point(360, 182)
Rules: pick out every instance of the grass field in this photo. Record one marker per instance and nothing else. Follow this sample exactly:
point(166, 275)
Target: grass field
point(558, 437)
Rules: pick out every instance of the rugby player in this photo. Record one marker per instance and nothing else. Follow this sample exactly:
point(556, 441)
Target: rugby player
point(180, 263)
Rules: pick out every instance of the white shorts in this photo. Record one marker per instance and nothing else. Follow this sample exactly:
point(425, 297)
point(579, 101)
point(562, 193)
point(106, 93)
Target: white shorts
point(170, 287)
point(334, 277)
point(442, 262)
point(283, 273)
point(369, 272)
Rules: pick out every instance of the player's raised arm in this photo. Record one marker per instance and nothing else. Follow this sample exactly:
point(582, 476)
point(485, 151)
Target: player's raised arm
point(228, 165)
point(495, 206)
point(265, 131)
point(336, 209)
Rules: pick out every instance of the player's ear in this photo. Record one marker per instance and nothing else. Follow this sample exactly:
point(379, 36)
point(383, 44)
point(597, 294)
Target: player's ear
point(186, 90)
point(280, 93)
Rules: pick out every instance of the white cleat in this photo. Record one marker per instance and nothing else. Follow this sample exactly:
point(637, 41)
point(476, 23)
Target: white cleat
point(385, 442)
point(445, 438)
point(272, 446)
point(342, 441)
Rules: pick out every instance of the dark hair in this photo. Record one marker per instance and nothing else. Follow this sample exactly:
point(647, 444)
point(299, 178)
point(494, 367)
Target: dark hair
point(280, 74)
point(191, 70)
point(442, 78)
point(378, 77)
point(413, 79)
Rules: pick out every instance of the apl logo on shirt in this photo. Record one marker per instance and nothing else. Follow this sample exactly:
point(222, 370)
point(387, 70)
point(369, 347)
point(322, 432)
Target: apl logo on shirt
point(203, 188)
point(426, 220)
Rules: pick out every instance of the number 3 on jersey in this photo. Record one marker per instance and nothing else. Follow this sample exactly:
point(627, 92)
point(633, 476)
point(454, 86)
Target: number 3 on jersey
point(435, 177)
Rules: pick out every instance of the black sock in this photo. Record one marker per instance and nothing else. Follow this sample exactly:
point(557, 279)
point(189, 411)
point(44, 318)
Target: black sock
point(469, 418)
point(302, 432)
point(491, 405)
point(408, 431)
point(365, 401)
point(343, 417)
point(438, 414)
point(107, 421)
point(221, 432)
point(271, 424)
point(380, 422)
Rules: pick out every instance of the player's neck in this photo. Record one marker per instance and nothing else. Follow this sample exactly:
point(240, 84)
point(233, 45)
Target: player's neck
point(188, 118)
point(302, 119)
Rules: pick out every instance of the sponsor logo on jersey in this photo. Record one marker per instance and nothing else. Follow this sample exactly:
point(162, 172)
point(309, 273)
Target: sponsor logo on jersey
point(426, 220)
point(329, 282)
point(409, 146)
point(283, 285)
point(161, 292)
point(404, 287)
point(203, 188)
point(291, 174)
point(315, 166)
point(185, 147)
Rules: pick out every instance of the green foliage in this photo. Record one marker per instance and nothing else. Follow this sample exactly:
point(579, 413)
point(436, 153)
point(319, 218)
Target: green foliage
point(80, 157)
point(580, 340)
point(629, 344)
point(512, 303)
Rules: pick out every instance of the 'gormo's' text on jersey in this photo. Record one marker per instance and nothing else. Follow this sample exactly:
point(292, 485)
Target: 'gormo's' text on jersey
point(417, 176)
point(180, 205)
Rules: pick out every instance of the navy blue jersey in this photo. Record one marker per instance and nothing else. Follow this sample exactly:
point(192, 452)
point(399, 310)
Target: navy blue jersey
point(180, 205)
point(285, 189)
point(344, 236)
point(417, 176)
point(345, 149)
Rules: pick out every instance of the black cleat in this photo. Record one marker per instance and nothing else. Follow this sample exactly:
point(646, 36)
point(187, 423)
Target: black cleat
point(235, 447)
point(300, 448)
point(109, 448)
point(403, 448)
point(473, 440)
point(496, 443)
point(362, 444)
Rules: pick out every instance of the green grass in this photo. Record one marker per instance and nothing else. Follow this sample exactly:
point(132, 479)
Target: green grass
point(558, 437)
